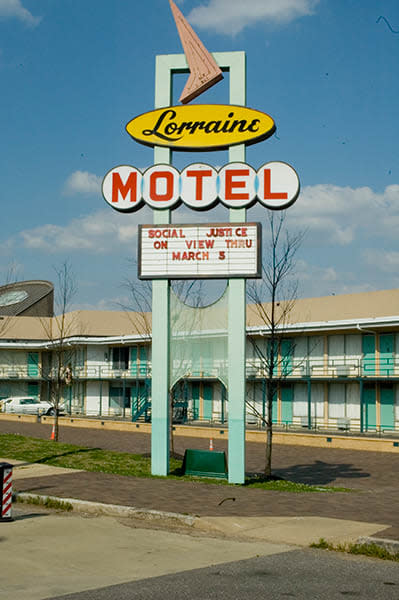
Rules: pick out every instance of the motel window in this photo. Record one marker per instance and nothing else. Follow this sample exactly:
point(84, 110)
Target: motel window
point(120, 358)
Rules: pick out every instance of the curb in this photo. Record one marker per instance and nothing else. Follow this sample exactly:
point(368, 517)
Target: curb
point(112, 510)
point(390, 545)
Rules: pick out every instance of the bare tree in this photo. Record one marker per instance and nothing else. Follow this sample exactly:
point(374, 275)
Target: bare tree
point(273, 299)
point(58, 373)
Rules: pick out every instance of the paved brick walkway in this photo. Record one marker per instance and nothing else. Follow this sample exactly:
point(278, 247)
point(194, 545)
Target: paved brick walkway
point(373, 474)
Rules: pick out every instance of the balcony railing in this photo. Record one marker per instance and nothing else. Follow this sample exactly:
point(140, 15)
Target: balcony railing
point(333, 368)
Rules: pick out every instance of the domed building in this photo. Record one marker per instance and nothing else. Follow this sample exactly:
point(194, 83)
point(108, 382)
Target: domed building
point(27, 298)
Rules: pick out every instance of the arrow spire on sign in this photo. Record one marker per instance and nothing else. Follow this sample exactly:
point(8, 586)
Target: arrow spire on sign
point(204, 71)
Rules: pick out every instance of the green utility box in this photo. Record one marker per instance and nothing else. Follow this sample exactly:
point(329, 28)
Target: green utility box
point(205, 463)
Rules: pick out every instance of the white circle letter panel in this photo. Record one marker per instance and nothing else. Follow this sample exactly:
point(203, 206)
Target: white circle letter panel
point(237, 185)
point(122, 188)
point(161, 186)
point(198, 186)
point(278, 185)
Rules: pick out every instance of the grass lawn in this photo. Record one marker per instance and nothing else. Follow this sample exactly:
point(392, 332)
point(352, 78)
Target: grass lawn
point(371, 549)
point(33, 450)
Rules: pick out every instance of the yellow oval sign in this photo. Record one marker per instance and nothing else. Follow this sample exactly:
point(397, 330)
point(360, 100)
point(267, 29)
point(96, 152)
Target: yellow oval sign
point(201, 127)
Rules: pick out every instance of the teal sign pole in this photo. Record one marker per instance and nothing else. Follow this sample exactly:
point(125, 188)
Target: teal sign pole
point(166, 65)
point(160, 417)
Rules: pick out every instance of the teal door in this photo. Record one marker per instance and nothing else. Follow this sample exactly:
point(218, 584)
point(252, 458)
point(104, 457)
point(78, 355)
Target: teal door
point(143, 360)
point(33, 390)
point(133, 361)
point(387, 403)
point(207, 397)
point(273, 357)
point(115, 398)
point(33, 364)
point(287, 350)
point(264, 401)
point(369, 416)
point(286, 404)
point(368, 348)
point(195, 387)
point(386, 354)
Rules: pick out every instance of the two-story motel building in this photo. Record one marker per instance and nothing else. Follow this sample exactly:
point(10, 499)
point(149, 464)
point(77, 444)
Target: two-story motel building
point(341, 370)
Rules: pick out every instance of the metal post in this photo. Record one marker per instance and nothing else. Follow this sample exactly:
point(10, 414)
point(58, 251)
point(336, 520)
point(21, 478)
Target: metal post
point(223, 401)
point(309, 404)
point(361, 406)
point(101, 395)
point(123, 398)
point(6, 492)
point(263, 401)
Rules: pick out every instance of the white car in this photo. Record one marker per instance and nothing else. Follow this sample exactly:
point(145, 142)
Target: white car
point(27, 404)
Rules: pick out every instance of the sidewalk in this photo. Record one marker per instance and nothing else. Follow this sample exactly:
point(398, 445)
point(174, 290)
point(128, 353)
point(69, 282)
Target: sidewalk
point(277, 517)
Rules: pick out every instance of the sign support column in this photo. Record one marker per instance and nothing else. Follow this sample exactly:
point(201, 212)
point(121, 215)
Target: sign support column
point(237, 306)
point(235, 62)
point(160, 418)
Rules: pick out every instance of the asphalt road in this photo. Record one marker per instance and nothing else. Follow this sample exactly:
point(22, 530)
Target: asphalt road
point(302, 574)
point(51, 556)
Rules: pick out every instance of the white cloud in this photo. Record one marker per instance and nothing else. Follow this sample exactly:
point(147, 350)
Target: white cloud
point(383, 260)
point(112, 303)
point(232, 16)
point(82, 182)
point(332, 216)
point(341, 215)
point(315, 281)
point(100, 232)
point(14, 8)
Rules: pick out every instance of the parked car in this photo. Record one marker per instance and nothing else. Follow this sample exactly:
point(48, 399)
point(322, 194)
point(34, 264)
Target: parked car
point(28, 405)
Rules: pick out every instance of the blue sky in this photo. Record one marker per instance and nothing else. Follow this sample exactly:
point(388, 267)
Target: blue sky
point(74, 72)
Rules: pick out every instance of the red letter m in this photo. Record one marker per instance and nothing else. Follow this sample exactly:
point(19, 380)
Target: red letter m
point(119, 188)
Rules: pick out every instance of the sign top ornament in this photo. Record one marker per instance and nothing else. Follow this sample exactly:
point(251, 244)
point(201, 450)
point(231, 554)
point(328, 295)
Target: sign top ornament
point(204, 70)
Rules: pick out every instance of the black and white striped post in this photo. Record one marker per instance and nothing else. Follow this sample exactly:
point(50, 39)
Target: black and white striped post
point(6, 492)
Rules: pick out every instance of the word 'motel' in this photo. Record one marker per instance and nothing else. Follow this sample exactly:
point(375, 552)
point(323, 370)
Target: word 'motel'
point(200, 186)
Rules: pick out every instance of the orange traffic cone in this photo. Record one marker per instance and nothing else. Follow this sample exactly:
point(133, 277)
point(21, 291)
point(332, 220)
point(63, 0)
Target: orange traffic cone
point(211, 444)
point(52, 437)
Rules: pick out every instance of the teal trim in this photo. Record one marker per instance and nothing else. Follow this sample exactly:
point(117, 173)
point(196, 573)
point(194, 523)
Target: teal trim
point(386, 354)
point(207, 401)
point(369, 407)
point(387, 406)
point(287, 395)
point(368, 349)
point(33, 364)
